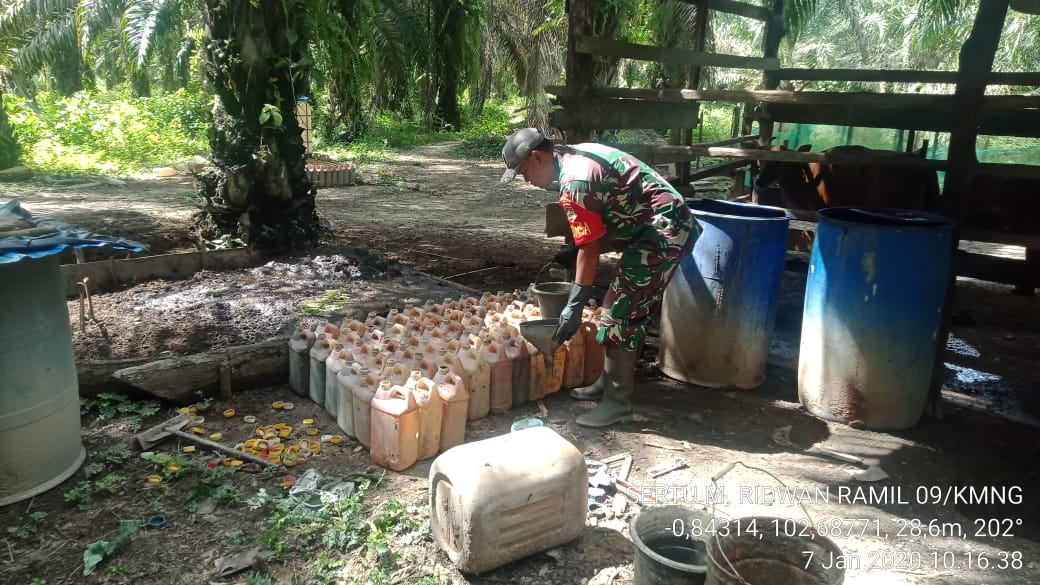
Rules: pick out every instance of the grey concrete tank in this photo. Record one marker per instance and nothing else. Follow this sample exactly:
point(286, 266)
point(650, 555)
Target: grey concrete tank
point(40, 445)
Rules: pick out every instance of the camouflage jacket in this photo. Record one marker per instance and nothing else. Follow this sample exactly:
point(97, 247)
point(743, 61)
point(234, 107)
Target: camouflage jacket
point(608, 193)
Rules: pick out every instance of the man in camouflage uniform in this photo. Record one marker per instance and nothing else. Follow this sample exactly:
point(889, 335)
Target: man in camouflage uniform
point(609, 194)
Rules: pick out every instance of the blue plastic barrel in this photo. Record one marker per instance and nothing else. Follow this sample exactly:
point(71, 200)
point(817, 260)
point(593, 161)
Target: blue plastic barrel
point(873, 304)
point(719, 309)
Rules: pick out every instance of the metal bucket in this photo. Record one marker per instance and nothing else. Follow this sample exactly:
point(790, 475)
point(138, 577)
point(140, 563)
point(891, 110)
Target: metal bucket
point(552, 298)
point(39, 394)
point(774, 552)
point(719, 309)
point(873, 302)
point(666, 551)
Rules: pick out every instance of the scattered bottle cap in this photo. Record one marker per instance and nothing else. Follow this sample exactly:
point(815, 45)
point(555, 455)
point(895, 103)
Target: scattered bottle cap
point(235, 462)
point(229, 413)
point(249, 419)
point(216, 436)
point(288, 405)
point(326, 438)
point(189, 449)
point(198, 430)
point(173, 467)
point(157, 522)
point(278, 405)
point(198, 420)
point(336, 439)
point(154, 479)
point(308, 422)
point(312, 431)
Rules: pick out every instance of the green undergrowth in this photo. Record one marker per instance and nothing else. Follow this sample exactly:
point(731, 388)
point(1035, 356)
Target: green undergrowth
point(343, 539)
point(109, 132)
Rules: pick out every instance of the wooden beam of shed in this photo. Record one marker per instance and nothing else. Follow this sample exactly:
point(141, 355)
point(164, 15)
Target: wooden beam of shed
point(883, 158)
point(611, 48)
point(858, 98)
point(603, 114)
point(937, 117)
point(731, 7)
point(717, 169)
point(903, 76)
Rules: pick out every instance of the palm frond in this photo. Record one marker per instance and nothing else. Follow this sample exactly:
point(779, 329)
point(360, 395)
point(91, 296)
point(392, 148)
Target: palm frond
point(47, 43)
point(23, 15)
point(143, 22)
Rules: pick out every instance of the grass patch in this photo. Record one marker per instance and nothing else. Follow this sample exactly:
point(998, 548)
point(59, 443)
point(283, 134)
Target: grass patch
point(328, 303)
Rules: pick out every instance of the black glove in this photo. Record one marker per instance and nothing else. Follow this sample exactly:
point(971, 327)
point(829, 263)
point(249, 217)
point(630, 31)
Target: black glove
point(567, 257)
point(570, 317)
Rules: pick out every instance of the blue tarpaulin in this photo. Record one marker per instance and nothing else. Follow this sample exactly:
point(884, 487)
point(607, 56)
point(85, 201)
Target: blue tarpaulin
point(22, 236)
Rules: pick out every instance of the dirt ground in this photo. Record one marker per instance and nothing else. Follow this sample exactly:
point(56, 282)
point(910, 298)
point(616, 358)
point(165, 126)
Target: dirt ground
point(463, 226)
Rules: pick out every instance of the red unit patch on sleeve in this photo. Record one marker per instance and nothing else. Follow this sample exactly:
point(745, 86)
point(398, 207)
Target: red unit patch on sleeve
point(586, 225)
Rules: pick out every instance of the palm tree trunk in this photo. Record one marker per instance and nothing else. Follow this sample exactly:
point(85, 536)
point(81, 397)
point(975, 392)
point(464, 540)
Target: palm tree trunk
point(447, 29)
point(67, 72)
point(260, 192)
point(10, 152)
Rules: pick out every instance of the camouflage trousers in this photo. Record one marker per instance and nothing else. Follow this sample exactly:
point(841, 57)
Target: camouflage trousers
point(643, 271)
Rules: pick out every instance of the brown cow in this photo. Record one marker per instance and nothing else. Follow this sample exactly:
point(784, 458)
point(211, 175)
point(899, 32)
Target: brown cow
point(813, 186)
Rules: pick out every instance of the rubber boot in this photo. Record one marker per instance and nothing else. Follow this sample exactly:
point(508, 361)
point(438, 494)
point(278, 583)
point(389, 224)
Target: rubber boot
point(618, 374)
point(593, 391)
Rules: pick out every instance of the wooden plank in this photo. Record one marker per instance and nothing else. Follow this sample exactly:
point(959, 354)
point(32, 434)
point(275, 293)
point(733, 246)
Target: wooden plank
point(655, 154)
point(611, 48)
point(714, 170)
point(106, 275)
point(990, 104)
point(601, 114)
point(737, 8)
point(881, 159)
point(1026, 78)
point(995, 169)
point(1025, 122)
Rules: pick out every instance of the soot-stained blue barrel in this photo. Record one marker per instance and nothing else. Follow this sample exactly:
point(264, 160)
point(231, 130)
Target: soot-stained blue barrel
point(719, 309)
point(873, 305)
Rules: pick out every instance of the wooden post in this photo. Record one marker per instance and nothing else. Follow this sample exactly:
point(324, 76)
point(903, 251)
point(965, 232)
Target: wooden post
point(770, 49)
point(581, 73)
point(685, 135)
point(976, 62)
point(771, 42)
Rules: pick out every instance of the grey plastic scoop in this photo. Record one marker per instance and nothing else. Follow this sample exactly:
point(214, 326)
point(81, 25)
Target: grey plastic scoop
point(540, 333)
